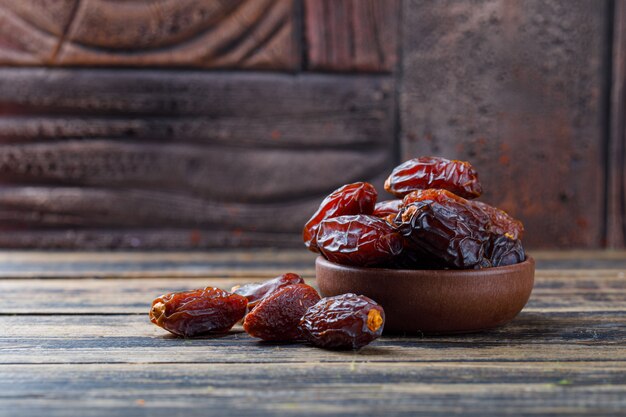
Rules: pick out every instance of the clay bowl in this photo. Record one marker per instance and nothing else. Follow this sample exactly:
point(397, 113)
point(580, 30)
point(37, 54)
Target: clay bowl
point(435, 301)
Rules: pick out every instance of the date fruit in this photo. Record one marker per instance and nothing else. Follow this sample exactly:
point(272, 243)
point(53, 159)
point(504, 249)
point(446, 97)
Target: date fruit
point(198, 312)
point(359, 240)
point(386, 208)
point(501, 222)
point(276, 318)
point(448, 231)
point(433, 172)
point(502, 251)
point(347, 321)
point(356, 198)
point(257, 291)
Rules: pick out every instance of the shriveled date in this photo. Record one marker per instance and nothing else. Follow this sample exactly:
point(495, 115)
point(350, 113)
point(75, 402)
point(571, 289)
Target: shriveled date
point(277, 317)
point(433, 172)
point(347, 321)
point(448, 231)
point(503, 251)
point(359, 240)
point(257, 291)
point(501, 222)
point(198, 312)
point(387, 208)
point(357, 198)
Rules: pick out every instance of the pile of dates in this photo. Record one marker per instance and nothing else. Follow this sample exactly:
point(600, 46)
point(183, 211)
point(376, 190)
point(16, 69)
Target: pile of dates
point(434, 222)
point(282, 309)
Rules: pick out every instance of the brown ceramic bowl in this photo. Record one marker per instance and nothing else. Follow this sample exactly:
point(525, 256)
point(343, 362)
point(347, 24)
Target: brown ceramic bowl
point(435, 301)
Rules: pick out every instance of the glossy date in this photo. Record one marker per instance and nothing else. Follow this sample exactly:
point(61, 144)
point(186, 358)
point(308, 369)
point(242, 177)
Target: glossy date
point(346, 321)
point(351, 199)
point(277, 317)
point(257, 291)
point(387, 208)
point(433, 172)
point(447, 230)
point(198, 312)
point(359, 240)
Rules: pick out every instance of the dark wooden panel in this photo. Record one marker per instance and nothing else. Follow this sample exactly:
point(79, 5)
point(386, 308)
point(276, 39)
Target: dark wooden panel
point(198, 33)
point(120, 158)
point(516, 88)
point(532, 336)
point(132, 285)
point(616, 199)
point(351, 35)
point(317, 389)
point(318, 111)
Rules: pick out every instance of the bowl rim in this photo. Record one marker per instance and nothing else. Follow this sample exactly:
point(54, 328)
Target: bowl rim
point(529, 262)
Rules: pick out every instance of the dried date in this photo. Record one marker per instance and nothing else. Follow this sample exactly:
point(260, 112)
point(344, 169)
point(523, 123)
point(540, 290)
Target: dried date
point(359, 240)
point(356, 198)
point(433, 172)
point(503, 251)
point(447, 230)
point(198, 312)
point(346, 321)
point(277, 317)
point(501, 222)
point(384, 209)
point(257, 291)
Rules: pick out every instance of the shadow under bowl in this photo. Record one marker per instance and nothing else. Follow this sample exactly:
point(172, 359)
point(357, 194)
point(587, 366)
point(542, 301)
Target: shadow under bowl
point(435, 301)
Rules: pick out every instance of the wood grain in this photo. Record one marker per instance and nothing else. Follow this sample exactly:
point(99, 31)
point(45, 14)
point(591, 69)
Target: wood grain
point(129, 292)
point(102, 158)
point(533, 337)
point(352, 35)
point(316, 111)
point(318, 389)
point(84, 347)
point(259, 34)
point(616, 197)
point(251, 263)
point(516, 88)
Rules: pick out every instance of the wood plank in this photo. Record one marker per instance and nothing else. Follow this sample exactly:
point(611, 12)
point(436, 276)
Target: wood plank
point(143, 177)
point(193, 33)
point(351, 35)
point(320, 111)
point(591, 292)
point(532, 336)
point(218, 174)
point(146, 239)
point(257, 263)
point(358, 388)
point(616, 196)
point(517, 89)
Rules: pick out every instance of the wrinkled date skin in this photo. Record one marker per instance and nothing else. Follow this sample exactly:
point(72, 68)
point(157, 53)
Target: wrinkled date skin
point(432, 172)
point(277, 317)
point(359, 240)
point(357, 198)
point(501, 222)
point(384, 209)
point(346, 321)
point(506, 231)
point(257, 291)
point(448, 231)
point(198, 312)
point(503, 251)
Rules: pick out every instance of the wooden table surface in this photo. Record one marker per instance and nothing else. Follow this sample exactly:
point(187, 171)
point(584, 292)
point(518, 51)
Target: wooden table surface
point(75, 340)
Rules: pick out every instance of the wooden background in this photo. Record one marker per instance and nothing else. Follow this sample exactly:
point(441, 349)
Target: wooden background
point(205, 123)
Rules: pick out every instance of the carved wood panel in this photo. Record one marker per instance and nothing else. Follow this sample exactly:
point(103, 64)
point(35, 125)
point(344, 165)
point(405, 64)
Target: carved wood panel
point(352, 35)
point(125, 158)
point(259, 34)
